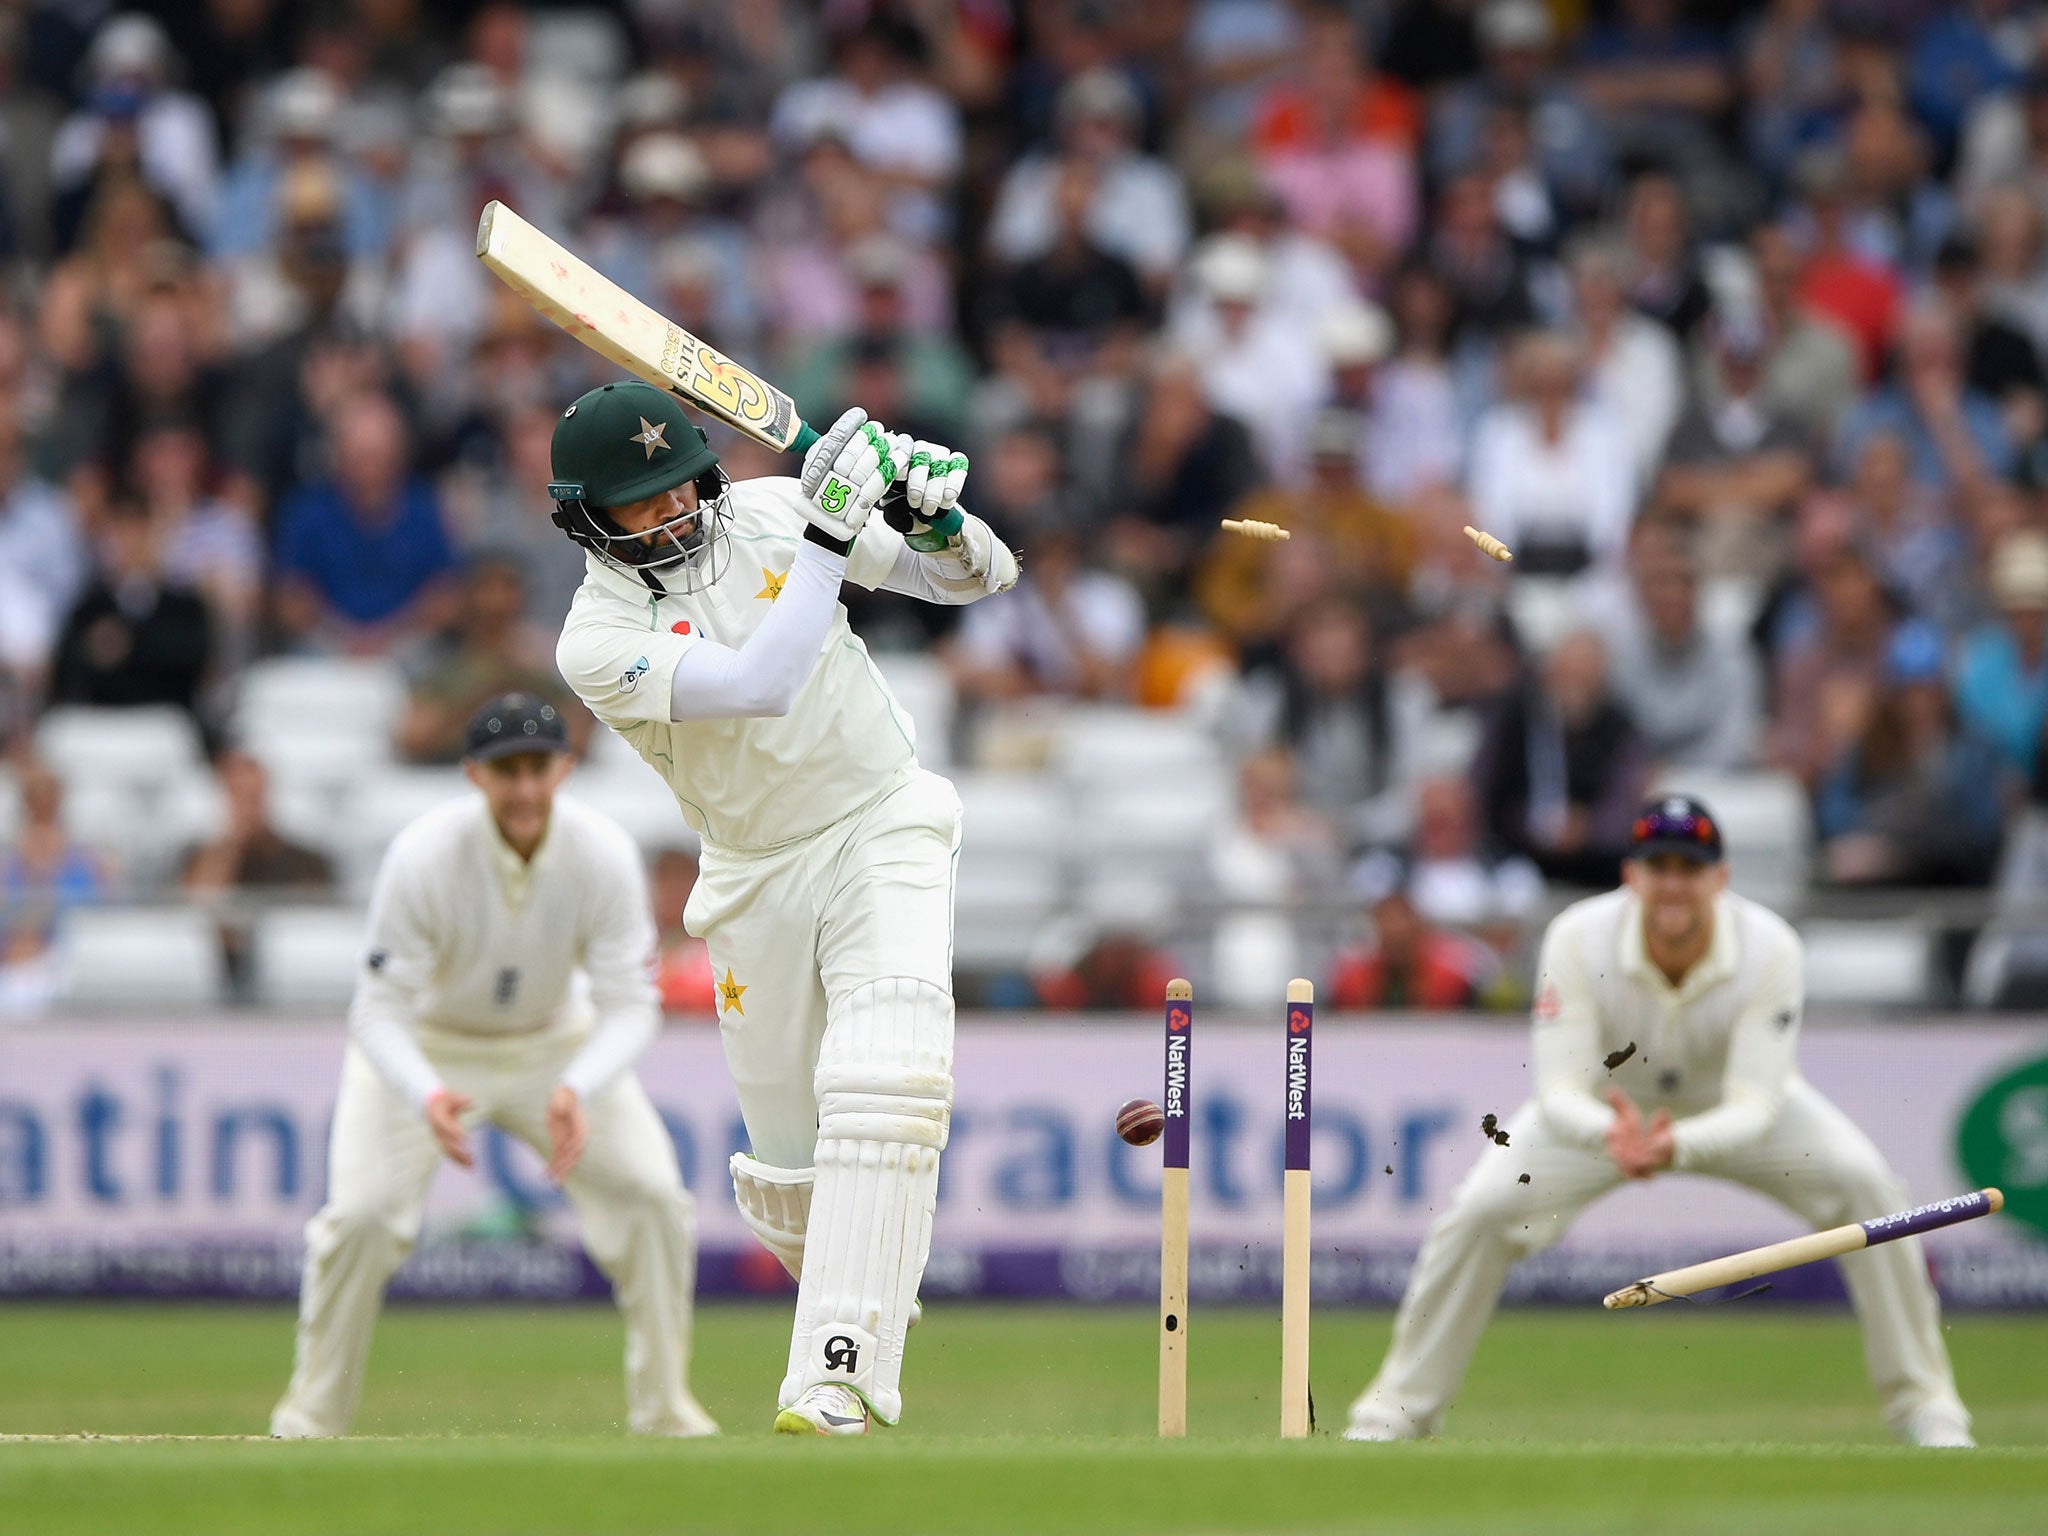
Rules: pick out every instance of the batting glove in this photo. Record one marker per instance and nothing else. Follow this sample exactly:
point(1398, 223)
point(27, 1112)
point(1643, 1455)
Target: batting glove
point(845, 474)
point(932, 485)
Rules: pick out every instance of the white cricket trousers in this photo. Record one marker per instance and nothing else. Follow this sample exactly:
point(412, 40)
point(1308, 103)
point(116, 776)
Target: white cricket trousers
point(1814, 1161)
point(638, 1222)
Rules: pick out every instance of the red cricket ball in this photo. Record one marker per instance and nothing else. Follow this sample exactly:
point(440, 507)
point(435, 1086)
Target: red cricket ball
point(1140, 1122)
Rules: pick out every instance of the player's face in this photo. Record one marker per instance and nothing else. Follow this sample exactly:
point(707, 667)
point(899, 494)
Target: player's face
point(1677, 894)
point(520, 791)
point(650, 512)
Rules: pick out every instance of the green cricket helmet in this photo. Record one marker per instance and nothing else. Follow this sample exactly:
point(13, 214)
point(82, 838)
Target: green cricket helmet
point(621, 443)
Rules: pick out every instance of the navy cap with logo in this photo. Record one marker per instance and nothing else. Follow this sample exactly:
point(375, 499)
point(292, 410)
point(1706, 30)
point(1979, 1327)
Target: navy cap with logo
point(1675, 824)
point(515, 722)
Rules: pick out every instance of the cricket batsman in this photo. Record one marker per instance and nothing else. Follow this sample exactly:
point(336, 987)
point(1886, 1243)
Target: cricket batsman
point(709, 634)
point(1707, 987)
point(508, 978)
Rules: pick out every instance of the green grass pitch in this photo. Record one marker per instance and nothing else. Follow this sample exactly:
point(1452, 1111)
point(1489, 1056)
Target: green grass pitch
point(493, 1422)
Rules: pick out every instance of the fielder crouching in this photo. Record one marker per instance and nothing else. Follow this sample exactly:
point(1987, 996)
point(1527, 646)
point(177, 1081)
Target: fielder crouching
point(508, 979)
point(1708, 988)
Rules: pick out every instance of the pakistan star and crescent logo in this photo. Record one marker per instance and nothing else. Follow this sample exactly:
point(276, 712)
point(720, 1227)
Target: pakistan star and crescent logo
point(650, 436)
point(771, 584)
point(729, 993)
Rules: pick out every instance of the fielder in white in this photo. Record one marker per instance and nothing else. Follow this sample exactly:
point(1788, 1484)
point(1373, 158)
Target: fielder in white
point(508, 979)
point(709, 634)
point(1709, 988)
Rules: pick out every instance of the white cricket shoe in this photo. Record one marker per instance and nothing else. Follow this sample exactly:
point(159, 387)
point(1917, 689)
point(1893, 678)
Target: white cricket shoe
point(693, 1423)
point(1371, 1423)
point(828, 1409)
point(1940, 1426)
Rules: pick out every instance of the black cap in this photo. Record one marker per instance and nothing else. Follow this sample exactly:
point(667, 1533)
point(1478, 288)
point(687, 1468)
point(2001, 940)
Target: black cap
point(1675, 824)
point(514, 722)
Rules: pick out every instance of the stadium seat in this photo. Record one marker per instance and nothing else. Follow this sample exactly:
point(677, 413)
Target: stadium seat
point(379, 807)
point(1766, 826)
point(307, 957)
point(324, 693)
point(1012, 813)
point(1868, 964)
point(925, 691)
point(1112, 746)
point(1155, 827)
point(638, 799)
point(139, 958)
point(999, 907)
point(142, 747)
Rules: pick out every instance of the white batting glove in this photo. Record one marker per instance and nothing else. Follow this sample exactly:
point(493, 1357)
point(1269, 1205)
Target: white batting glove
point(932, 484)
point(845, 474)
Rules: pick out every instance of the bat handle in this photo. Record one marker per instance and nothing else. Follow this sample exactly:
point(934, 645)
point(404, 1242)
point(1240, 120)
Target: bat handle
point(806, 434)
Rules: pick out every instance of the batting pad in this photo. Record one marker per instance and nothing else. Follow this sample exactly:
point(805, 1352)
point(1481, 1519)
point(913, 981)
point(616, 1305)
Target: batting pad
point(885, 1095)
point(775, 1203)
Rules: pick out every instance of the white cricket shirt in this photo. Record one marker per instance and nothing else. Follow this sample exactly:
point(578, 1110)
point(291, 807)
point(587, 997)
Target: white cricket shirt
point(1717, 1050)
point(468, 939)
point(748, 782)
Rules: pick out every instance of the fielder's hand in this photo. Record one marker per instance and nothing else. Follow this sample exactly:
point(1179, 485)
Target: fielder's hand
point(445, 1110)
point(568, 1130)
point(845, 474)
point(1638, 1150)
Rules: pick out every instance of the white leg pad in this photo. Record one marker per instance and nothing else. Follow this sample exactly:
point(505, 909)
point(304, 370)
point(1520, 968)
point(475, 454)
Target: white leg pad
point(885, 1097)
point(775, 1203)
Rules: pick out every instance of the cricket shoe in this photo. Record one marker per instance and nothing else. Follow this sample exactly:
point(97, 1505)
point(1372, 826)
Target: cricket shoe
point(828, 1409)
point(1940, 1427)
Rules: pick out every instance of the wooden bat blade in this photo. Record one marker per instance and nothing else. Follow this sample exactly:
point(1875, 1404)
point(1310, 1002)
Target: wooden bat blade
point(1794, 1251)
point(615, 325)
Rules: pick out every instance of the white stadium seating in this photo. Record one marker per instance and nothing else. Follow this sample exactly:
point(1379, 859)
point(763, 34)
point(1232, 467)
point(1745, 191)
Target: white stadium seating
point(162, 957)
point(306, 957)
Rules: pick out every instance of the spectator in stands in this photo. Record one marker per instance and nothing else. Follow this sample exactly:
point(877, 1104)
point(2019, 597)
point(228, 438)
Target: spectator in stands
point(2002, 672)
point(1409, 962)
point(1119, 969)
point(42, 875)
point(668, 201)
point(1516, 42)
point(135, 635)
point(1138, 213)
point(1922, 552)
point(1694, 696)
point(363, 560)
point(297, 124)
point(1632, 363)
point(1552, 475)
point(684, 972)
point(507, 510)
point(209, 543)
point(132, 122)
point(1914, 800)
point(490, 649)
point(1256, 357)
point(936, 373)
point(1491, 278)
point(1349, 724)
point(1954, 434)
point(1447, 871)
point(43, 558)
point(2000, 361)
point(1796, 81)
point(1658, 80)
point(1065, 630)
point(1959, 56)
point(1837, 280)
point(249, 859)
point(1810, 362)
point(1185, 466)
point(1562, 768)
point(1369, 547)
point(1664, 275)
point(1339, 142)
point(1069, 314)
point(897, 125)
point(1736, 465)
point(1830, 665)
point(1272, 856)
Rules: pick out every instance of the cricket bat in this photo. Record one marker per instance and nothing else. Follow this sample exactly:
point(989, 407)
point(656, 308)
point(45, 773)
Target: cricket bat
point(614, 324)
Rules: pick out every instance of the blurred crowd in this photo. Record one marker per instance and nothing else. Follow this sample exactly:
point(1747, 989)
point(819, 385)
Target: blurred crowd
point(1728, 319)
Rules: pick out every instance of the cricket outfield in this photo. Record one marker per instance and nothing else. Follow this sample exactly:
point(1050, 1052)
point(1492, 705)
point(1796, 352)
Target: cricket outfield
point(496, 1422)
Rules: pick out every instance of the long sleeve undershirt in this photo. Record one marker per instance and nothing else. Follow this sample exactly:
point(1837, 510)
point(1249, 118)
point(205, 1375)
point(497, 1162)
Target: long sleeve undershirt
point(763, 676)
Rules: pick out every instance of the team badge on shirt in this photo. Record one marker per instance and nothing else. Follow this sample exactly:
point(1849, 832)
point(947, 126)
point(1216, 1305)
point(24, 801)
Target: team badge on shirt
point(729, 993)
point(771, 584)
